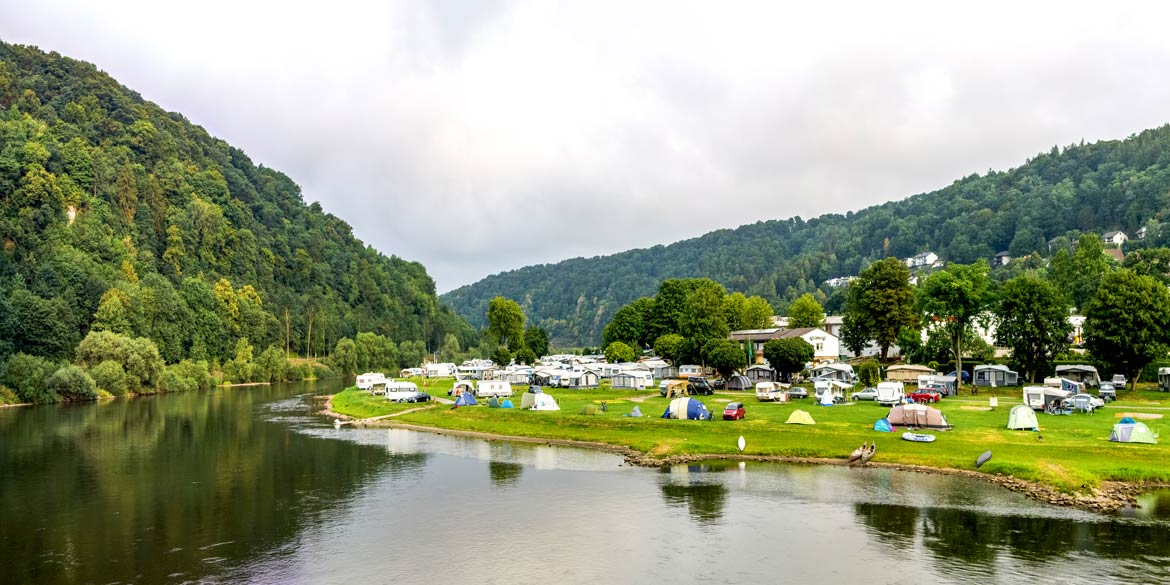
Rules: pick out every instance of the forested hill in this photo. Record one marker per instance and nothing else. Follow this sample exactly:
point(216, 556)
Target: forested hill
point(1103, 186)
point(114, 210)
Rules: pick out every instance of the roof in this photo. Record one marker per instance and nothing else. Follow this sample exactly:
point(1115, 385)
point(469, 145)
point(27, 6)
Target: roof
point(999, 367)
point(1076, 368)
point(1115, 253)
point(908, 367)
point(834, 366)
point(771, 333)
point(1113, 233)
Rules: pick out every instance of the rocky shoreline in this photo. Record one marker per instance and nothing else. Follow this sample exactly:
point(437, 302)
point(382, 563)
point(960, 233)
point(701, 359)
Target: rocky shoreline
point(1109, 497)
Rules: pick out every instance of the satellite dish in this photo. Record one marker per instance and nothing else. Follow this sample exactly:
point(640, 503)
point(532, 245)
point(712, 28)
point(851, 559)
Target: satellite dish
point(742, 443)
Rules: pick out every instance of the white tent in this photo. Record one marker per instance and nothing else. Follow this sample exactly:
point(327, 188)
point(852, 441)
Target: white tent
point(541, 401)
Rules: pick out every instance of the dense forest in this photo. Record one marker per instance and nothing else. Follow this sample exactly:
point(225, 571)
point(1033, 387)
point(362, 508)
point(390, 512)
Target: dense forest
point(118, 216)
point(1108, 185)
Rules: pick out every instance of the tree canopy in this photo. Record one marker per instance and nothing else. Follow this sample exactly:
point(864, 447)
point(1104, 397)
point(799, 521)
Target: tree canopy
point(1032, 321)
point(806, 312)
point(1127, 322)
point(880, 304)
point(953, 299)
point(788, 356)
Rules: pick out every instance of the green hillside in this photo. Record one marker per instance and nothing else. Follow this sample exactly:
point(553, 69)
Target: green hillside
point(115, 211)
point(1119, 184)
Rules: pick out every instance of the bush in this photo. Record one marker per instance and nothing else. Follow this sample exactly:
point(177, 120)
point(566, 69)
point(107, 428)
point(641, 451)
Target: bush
point(72, 383)
point(322, 371)
point(195, 371)
point(139, 358)
point(109, 376)
point(271, 366)
point(27, 376)
point(869, 374)
point(7, 396)
point(173, 381)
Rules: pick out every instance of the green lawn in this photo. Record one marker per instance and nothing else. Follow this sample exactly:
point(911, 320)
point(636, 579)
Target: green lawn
point(1074, 451)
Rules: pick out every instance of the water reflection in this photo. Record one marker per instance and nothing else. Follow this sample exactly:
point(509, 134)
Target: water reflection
point(698, 488)
point(505, 474)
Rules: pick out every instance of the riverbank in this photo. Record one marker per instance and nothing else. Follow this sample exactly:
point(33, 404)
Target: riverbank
point(1069, 463)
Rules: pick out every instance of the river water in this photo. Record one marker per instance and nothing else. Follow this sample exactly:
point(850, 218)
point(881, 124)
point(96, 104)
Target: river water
point(251, 486)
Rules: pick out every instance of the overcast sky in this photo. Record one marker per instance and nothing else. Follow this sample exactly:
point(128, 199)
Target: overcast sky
point(478, 136)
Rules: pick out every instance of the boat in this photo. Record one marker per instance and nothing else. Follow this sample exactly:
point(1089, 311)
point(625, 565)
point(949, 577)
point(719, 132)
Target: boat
point(858, 452)
point(983, 458)
point(918, 437)
point(869, 453)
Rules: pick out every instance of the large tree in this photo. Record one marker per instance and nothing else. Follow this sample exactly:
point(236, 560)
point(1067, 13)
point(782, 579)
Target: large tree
point(626, 325)
point(536, 339)
point(953, 300)
point(506, 323)
point(1127, 323)
point(880, 304)
point(806, 312)
point(618, 352)
point(1032, 321)
point(725, 356)
point(747, 312)
point(788, 356)
point(1078, 273)
point(702, 319)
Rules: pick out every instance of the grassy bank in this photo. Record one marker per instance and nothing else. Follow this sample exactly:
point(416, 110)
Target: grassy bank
point(1071, 453)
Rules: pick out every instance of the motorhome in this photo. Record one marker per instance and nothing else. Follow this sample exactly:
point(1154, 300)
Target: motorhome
point(405, 392)
point(370, 379)
point(770, 391)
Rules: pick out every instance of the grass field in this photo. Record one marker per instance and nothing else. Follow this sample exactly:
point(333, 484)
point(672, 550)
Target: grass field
point(1070, 453)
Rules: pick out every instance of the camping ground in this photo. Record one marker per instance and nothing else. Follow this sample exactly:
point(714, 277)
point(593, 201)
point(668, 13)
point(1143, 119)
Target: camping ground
point(1071, 453)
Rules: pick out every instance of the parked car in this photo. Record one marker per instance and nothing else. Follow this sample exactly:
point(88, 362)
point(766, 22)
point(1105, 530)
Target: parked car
point(867, 394)
point(1107, 392)
point(943, 390)
point(700, 385)
point(719, 383)
point(1119, 381)
point(924, 395)
point(966, 376)
point(797, 392)
point(733, 411)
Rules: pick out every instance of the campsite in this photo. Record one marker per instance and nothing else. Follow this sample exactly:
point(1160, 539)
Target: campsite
point(1070, 453)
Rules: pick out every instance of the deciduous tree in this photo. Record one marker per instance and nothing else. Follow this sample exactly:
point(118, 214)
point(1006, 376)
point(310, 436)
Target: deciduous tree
point(1127, 322)
point(1032, 320)
point(788, 356)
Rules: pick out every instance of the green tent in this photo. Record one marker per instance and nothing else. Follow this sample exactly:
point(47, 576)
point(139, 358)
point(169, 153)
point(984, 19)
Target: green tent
point(1023, 418)
point(800, 417)
point(1133, 432)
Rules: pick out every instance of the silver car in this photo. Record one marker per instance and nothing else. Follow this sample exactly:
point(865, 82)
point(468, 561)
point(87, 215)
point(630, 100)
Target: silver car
point(867, 394)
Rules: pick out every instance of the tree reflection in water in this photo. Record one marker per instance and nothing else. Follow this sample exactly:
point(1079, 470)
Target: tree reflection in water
point(697, 487)
point(505, 475)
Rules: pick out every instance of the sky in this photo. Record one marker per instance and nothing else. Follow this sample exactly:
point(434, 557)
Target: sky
point(478, 136)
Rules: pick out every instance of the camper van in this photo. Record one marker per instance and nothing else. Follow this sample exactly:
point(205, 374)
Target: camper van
point(405, 392)
point(489, 388)
point(370, 379)
point(890, 393)
point(770, 391)
point(1039, 397)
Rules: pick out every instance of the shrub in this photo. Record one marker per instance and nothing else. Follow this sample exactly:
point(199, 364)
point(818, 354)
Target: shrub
point(195, 371)
point(869, 374)
point(71, 382)
point(322, 371)
point(173, 381)
point(27, 376)
point(109, 376)
point(7, 396)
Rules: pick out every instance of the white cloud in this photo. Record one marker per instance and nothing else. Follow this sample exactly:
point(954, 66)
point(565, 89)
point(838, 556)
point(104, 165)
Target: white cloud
point(478, 137)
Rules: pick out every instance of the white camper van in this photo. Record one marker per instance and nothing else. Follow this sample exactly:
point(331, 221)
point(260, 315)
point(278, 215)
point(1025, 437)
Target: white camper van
point(490, 388)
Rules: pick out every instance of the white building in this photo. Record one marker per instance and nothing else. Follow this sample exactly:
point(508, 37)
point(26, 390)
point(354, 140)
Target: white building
point(826, 346)
point(1117, 238)
point(923, 260)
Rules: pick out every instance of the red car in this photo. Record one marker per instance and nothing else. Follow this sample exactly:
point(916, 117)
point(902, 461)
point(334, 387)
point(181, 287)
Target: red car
point(924, 395)
point(733, 411)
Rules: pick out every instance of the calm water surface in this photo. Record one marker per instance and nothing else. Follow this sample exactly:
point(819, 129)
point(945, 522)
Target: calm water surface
point(250, 486)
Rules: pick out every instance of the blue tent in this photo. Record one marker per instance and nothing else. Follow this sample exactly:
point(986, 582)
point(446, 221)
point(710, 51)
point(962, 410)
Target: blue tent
point(1126, 421)
point(635, 413)
point(506, 403)
point(883, 425)
point(687, 408)
point(466, 399)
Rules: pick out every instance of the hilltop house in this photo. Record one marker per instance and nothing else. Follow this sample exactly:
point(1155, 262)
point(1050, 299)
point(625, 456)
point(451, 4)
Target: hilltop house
point(923, 260)
point(1116, 238)
point(1001, 259)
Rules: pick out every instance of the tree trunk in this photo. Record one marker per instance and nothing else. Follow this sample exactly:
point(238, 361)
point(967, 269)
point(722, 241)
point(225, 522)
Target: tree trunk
point(309, 338)
point(885, 350)
point(287, 340)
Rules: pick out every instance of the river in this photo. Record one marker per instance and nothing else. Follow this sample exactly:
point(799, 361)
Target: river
point(250, 485)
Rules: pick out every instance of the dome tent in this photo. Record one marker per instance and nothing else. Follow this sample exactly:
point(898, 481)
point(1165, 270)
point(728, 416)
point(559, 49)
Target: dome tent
point(687, 408)
point(800, 417)
point(1022, 418)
